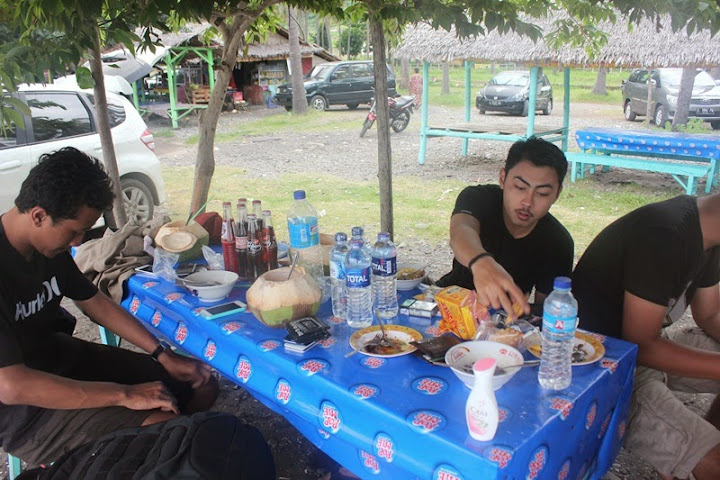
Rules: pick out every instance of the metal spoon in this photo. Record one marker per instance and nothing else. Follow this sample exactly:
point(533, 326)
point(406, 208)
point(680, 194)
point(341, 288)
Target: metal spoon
point(504, 370)
point(383, 341)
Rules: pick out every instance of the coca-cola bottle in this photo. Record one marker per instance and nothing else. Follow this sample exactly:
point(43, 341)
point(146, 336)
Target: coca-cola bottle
point(257, 210)
point(255, 265)
point(244, 202)
point(227, 239)
point(270, 246)
point(241, 240)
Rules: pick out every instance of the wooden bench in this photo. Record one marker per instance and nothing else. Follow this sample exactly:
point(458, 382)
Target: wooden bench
point(678, 169)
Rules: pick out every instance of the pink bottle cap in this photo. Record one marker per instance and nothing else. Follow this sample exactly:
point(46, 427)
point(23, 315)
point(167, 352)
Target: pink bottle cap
point(484, 364)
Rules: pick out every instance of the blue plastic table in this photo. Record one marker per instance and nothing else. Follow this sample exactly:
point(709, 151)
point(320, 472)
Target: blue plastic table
point(402, 418)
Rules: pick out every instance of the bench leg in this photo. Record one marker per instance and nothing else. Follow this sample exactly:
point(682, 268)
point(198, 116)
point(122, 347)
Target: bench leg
point(14, 467)
point(606, 168)
point(573, 171)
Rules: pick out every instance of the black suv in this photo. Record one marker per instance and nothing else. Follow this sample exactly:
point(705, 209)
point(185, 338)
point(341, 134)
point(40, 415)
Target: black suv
point(337, 83)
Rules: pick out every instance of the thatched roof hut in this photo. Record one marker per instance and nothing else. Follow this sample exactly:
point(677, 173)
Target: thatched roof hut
point(641, 45)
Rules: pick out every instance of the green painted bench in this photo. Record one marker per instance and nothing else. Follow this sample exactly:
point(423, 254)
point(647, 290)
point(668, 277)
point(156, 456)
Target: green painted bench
point(685, 173)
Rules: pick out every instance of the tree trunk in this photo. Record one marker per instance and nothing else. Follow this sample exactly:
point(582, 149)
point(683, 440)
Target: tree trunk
point(683, 102)
point(368, 39)
point(445, 88)
point(349, 35)
point(109, 159)
point(299, 102)
point(303, 24)
point(328, 33)
point(600, 81)
point(383, 126)
point(207, 124)
point(404, 73)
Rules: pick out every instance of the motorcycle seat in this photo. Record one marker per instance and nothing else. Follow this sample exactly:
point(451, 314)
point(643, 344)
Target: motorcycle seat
point(404, 100)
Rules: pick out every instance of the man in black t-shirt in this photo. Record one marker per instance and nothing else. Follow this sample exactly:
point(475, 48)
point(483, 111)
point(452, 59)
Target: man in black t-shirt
point(56, 391)
point(504, 239)
point(637, 277)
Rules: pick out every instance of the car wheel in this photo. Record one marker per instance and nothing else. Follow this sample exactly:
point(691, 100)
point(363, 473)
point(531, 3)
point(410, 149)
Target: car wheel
point(400, 122)
point(138, 201)
point(318, 102)
point(629, 114)
point(482, 111)
point(660, 116)
point(288, 108)
point(715, 125)
point(548, 109)
point(352, 106)
point(526, 108)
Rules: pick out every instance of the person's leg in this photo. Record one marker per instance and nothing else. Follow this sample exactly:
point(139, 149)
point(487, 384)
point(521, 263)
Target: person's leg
point(709, 466)
point(713, 414)
point(203, 398)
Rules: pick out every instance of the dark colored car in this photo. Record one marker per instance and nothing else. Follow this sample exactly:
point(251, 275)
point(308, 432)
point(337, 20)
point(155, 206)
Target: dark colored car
point(337, 83)
point(704, 104)
point(509, 91)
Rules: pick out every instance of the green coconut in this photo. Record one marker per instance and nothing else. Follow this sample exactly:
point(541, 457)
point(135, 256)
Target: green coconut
point(275, 299)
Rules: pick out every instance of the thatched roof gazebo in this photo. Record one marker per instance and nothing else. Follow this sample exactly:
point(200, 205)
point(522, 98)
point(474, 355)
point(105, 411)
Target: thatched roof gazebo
point(646, 44)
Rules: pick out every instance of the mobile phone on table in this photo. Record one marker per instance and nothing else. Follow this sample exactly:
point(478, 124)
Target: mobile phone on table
point(222, 310)
point(145, 268)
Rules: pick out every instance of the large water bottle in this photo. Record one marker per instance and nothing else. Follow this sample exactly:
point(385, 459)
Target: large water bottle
point(305, 235)
point(337, 275)
point(384, 278)
point(359, 291)
point(559, 323)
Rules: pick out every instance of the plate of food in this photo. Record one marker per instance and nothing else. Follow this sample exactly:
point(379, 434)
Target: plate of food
point(586, 348)
point(398, 336)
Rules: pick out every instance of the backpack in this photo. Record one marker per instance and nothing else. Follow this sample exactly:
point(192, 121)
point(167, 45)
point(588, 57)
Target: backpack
point(206, 445)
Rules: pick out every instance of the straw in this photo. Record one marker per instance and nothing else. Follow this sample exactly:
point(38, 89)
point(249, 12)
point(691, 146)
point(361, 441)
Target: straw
point(192, 217)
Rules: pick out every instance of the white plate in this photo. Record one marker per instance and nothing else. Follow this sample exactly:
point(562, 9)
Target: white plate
point(399, 333)
point(586, 349)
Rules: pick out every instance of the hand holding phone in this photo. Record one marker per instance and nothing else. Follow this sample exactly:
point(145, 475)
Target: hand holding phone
point(222, 310)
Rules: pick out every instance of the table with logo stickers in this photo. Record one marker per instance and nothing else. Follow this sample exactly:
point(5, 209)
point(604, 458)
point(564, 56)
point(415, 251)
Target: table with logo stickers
point(401, 417)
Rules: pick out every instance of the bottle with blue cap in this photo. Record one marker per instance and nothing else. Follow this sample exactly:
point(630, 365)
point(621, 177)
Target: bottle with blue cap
point(560, 314)
point(359, 291)
point(337, 275)
point(305, 235)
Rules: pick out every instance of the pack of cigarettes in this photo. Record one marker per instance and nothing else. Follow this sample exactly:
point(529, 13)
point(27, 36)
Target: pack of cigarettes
point(418, 308)
point(296, 347)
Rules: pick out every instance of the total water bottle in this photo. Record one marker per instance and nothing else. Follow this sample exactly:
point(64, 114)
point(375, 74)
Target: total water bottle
point(384, 278)
point(359, 292)
point(559, 322)
point(337, 275)
point(305, 235)
point(358, 232)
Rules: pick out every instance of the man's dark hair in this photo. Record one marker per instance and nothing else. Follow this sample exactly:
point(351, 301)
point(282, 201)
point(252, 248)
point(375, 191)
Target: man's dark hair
point(64, 181)
point(540, 153)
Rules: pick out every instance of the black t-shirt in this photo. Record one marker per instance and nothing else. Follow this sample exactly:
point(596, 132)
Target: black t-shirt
point(533, 260)
point(30, 294)
point(654, 252)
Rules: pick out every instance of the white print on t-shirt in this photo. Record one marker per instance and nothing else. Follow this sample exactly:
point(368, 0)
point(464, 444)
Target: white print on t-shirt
point(34, 306)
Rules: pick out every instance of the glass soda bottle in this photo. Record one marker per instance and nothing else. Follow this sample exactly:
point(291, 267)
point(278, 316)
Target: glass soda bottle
point(305, 235)
point(257, 210)
point(560, 312)
point(227, 239)
point(357, 281)
point(270, 246)
point(241, 240)
point(384, 278)
point(255, 265)
point(337, 275)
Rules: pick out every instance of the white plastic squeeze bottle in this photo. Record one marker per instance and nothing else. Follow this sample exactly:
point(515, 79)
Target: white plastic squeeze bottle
point(481, 410)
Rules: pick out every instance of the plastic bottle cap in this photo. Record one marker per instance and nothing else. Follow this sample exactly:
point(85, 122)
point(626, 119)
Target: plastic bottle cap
point(383, 237)
point(299, 194)
point(562, 283)
point(484, 364)
point(357, 231)
point(340, 237)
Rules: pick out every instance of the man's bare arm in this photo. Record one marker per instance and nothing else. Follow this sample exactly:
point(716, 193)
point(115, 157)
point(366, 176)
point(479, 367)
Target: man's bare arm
point(642, 323)
point(493, 284)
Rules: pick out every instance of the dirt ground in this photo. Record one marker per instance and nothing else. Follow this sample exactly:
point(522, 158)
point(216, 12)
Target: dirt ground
point(334, 151)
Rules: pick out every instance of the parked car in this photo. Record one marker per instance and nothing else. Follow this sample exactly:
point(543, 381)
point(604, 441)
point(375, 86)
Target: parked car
point(62, 116)
point(337, 83)
point(704, 104)
point(509, 92)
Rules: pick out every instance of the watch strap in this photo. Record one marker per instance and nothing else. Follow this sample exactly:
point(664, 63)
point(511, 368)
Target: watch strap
point(158, 350)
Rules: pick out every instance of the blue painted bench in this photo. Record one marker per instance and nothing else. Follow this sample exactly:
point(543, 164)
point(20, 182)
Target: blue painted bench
point(685, 173)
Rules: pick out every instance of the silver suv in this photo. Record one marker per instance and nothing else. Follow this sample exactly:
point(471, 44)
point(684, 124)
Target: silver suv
point(705, 102)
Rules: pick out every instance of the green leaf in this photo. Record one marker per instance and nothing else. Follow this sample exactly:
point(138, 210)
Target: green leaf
point(84, 78)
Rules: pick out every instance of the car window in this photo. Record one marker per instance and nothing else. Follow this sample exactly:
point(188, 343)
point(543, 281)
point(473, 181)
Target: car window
point(58, 115)
point(513, 79)
point(642, 76)
point(671, 78)
point(318, 72)
point(655, 76)
point(116, 111)
point(8, 136)
point(361, 70)
point(341, 73)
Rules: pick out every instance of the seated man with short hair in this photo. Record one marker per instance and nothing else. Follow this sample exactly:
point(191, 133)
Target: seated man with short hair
point(56, 391)
point(637, 277)
point(504, 239)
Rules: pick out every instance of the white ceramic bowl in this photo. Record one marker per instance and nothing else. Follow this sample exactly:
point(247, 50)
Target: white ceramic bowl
point(462, 356)
point(213, 293)
point(404, 285)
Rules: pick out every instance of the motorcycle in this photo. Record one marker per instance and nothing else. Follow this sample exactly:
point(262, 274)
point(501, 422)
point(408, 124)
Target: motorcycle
point(399, 110)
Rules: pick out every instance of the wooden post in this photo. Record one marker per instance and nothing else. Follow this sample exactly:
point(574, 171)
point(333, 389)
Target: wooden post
point(468, 107)
point(648, 111)
point(424, 113)
point(566, 110)
point(532, 98)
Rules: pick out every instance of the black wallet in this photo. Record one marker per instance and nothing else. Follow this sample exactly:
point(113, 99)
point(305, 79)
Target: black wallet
point(306, 330)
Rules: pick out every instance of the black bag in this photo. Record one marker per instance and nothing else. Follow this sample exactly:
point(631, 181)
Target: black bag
point(207, 445)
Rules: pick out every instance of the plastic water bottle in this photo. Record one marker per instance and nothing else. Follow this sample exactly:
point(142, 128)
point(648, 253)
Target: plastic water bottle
point(384, 278)
point(481, 410)
point(358, 232)
point(359, 291)
point(559, 323)
point(305, 235)
point(337, 275)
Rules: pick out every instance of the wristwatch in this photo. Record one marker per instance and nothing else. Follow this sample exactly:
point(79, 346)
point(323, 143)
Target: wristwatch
point(161, 347)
